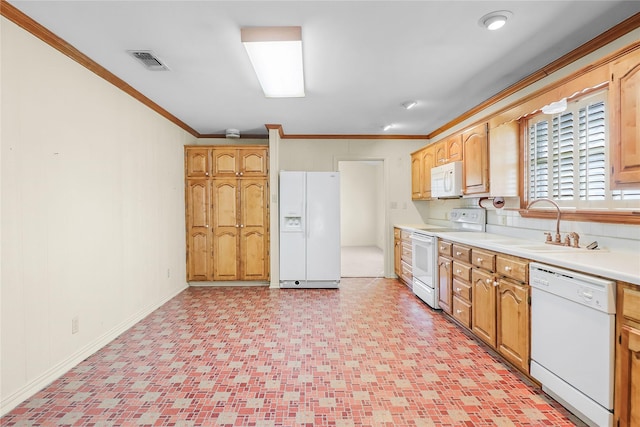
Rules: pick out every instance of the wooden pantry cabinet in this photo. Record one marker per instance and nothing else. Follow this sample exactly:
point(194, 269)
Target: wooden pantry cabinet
point(227, 213)
point(627, 390)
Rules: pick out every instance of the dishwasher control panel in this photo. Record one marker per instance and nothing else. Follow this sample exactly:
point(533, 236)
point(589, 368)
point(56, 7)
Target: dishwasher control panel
point(591, 291)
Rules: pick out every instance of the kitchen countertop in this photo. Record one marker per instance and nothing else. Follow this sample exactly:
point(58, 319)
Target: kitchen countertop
point(617, 265)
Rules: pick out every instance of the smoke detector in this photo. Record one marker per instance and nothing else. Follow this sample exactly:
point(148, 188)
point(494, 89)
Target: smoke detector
point(233, 133)
point(149, 60)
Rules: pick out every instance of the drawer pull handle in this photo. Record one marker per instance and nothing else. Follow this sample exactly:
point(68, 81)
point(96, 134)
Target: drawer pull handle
point(479, 259)
point(507, 268)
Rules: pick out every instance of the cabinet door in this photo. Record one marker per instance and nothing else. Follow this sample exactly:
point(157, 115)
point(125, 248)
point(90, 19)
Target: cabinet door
point(397, 252)
point(416, 176)
point(624, 105)
point(198, 162)
point(484, 306)
point(629, 397)
point(225, 162)
point(198, 230)
point(444, 284)
point(198, 203)
point(440, 153)
point(253, 162)
point(475, 176)
point(226, 228)
point(199, 259)
point(513, 323)
point(254, 260)
point(428, 162)
point(454, 148)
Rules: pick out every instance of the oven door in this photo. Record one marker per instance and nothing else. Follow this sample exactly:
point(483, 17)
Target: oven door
point(423, 266)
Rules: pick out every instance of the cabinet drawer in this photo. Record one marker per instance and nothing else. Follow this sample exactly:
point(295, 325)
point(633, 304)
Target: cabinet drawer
point(631, 304)
point(462, 290)
point(462, 253)
point(444, 248)
point(483, 259)
point(462, 311)
point(515, 268)
point(461, 270)
point(397, 233)
point(406, 273)
point(406, 252)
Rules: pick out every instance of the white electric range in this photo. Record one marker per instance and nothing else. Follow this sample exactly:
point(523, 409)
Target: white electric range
point(425, 255)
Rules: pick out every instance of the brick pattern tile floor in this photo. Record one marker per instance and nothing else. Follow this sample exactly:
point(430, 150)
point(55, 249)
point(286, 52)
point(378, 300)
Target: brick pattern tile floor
point(368, 354)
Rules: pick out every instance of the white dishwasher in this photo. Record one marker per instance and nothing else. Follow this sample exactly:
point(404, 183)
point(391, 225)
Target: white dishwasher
point(573, 340)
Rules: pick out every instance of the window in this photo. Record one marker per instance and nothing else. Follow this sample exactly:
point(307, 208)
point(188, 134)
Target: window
point(567, 158)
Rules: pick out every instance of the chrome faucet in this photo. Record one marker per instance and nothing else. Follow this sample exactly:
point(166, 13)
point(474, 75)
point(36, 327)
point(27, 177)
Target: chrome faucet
point(558, 239)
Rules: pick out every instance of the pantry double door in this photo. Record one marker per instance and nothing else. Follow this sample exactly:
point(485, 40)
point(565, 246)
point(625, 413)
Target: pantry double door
point(227, 222)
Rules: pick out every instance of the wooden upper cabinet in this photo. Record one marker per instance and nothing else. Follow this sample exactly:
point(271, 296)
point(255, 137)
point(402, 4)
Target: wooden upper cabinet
point(624, 104)
point(239, 161)
point(475, 176)
point(504, 152)
point(440, 152)
point(198, 163)
point(453, 146)
point(428, 162)
point(416, 175)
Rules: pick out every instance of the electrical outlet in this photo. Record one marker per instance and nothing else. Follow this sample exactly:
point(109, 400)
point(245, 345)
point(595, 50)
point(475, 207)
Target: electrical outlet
point(75, 325)
point(168, 272)
point(503, 219)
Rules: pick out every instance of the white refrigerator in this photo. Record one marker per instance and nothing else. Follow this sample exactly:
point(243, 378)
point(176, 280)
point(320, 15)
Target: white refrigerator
point(309, 229)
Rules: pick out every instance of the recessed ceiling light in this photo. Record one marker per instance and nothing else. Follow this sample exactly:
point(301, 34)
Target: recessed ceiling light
point(495, 20)
point(409, 104)
point(387, 127)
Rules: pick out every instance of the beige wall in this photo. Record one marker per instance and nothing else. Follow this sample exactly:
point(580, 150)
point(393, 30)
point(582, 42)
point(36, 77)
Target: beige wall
point(92, 212)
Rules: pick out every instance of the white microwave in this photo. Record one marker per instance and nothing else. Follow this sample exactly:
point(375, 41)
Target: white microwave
point(446, 180)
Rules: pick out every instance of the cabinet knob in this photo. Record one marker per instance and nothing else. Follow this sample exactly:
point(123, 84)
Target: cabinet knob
point(206, 173)
point(488, 281)
point(458, 311)
point(237, 225)
point(479, 259)
point(507, 268)
point(442, 248)
point(241, 225)
point(241, 174)
point(458, 271)
point(237, 173)
point(458, 253)
point(458, 290)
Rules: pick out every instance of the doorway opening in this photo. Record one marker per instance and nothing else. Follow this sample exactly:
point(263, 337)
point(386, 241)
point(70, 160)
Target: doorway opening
point(362, 218)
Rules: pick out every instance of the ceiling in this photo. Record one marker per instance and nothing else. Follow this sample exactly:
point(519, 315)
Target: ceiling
point(362, 59)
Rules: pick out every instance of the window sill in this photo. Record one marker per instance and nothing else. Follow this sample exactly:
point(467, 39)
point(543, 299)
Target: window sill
point(609, 216)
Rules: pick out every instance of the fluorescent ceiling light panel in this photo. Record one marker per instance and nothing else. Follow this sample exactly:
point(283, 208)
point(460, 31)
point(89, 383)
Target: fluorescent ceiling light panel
point(276, 56)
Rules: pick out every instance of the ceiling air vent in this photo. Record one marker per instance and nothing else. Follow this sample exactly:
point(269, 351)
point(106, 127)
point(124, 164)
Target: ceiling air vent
point(148, 59)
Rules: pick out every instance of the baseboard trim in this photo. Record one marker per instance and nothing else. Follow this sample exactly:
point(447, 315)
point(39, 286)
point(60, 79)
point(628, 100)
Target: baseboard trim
point(16, 398)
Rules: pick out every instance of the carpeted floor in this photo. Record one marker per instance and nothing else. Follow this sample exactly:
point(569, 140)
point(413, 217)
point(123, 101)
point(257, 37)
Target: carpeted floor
point(362, 261)
point(367, 354)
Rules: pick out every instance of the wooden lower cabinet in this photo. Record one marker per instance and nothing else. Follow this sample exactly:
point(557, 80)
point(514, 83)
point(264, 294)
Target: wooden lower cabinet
point(627, 393)
point(444, 284)
point(397, 252)
point(406, 269)
point(513, 339)
point(488, 293)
